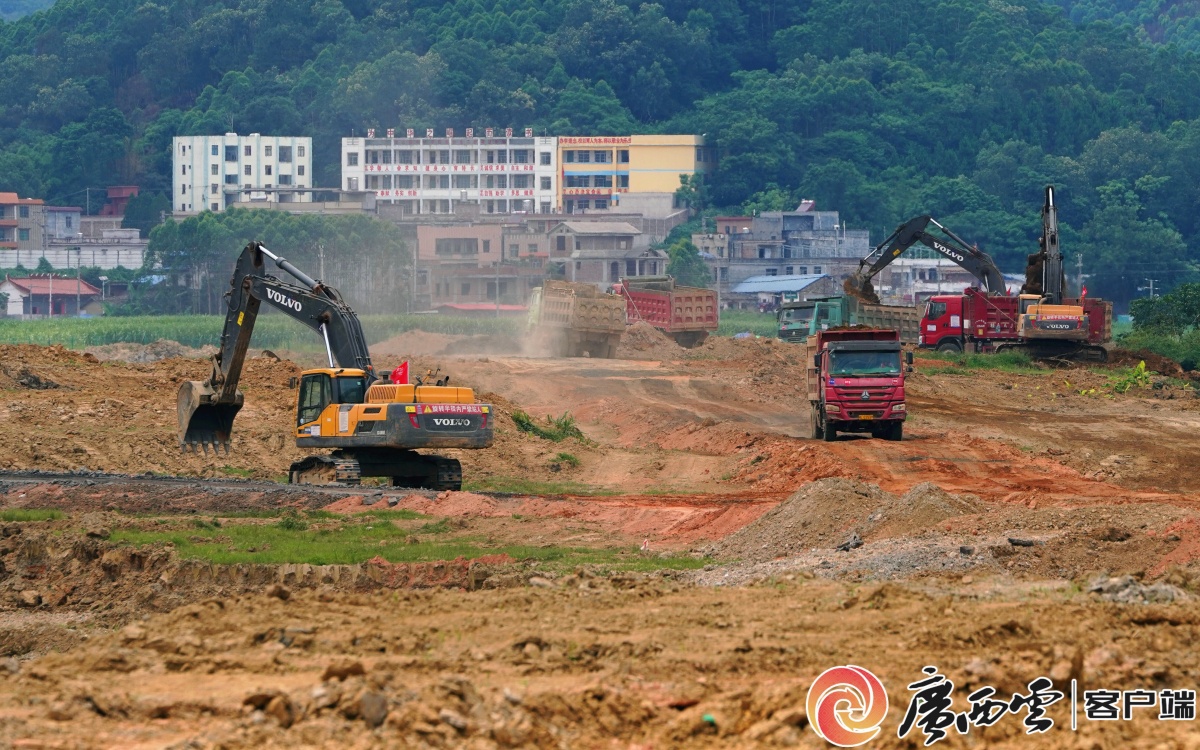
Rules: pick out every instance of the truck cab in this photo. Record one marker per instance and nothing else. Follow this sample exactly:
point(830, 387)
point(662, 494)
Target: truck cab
point(795, 320)
point(942, 324)
point(856, 383)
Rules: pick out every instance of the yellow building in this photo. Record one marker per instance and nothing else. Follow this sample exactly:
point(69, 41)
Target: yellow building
point(631, 171)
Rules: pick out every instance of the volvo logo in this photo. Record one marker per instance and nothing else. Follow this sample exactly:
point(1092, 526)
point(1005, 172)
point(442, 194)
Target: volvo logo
point(951, 254)
point(283, 300)
point(443, 422)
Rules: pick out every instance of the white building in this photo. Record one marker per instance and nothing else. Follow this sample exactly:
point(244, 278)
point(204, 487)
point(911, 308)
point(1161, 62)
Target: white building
point(213, 172)
point(430, 175)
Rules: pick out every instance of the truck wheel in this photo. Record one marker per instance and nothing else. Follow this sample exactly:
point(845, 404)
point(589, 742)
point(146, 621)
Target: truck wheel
point(815, 430)
point(950, 347)
point(896, 431)
point(830, 433)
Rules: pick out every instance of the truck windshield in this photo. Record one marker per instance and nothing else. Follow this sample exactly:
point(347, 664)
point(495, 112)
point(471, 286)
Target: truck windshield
point(796, 315)
point(864, 363)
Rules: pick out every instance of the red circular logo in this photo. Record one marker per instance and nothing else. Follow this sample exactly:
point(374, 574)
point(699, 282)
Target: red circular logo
point(846, 705)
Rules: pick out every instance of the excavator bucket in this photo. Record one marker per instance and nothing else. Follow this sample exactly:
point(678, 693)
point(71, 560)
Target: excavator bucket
point(202, 422)
point(860, 287)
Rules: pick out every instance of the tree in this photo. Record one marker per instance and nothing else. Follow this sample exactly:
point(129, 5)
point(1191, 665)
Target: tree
point(692, 192)
point(686, 265)
point(145, 211)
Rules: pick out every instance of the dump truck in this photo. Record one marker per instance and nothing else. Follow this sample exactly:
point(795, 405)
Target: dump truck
point(575, 319)
point(372, 428)
point(800, 320)
point(856, 383)
point(687, 314)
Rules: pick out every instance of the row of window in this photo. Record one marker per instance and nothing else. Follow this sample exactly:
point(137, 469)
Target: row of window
point(586, 204)
point(247, 170)
point(793, 270)
point(595, 157)
point(23, 211)
point(411, 207)
point(285, 180)
point(596, 180)
point(446, 156)
point(444, 181)
point(231, 152)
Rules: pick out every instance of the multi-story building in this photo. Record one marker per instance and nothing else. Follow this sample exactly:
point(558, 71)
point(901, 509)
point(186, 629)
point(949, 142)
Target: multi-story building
point(22, 229)
point(214, 172)
point(786, 243)
point(502, 175)
point(637, 173)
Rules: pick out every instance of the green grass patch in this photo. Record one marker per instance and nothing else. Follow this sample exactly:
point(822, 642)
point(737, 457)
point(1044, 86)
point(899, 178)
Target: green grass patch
point(357, 543)
point(566, 458)
point(521, 486)
point(31, 514)
point(740, 321)
point(393, 514)
point(557, 429)
point(956, 364)
point(1183, 348)
point(234, 471)
point(441, 526)
point(272, 330)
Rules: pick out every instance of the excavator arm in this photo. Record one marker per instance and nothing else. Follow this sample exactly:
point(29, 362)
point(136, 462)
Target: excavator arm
point(207, 409)
point(951, 246)
point(1045, 274)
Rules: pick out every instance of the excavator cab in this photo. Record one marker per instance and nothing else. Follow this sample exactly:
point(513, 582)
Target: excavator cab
point(320, 388)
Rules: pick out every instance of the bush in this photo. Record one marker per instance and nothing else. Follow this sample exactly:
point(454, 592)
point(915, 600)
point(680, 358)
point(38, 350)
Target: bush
point(556, 428)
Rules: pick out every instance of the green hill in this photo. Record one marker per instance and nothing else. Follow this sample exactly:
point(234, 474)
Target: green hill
point(878, 108)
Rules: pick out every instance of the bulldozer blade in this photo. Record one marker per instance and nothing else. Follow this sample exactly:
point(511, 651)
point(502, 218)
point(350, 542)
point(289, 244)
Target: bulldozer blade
point(202, 421)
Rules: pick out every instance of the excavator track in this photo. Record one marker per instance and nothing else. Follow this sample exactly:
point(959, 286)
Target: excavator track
point(325, 470)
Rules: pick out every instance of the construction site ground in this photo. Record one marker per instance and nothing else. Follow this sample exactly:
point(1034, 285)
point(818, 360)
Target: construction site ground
point(672, 579)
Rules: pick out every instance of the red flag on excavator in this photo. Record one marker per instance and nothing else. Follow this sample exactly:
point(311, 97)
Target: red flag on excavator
point(400, 374)
point(1083, 291)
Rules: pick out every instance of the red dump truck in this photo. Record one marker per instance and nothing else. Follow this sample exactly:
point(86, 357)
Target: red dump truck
point(685, 313)
point(856, 383)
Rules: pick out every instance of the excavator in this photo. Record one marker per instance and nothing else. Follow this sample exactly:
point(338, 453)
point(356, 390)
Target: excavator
point(915, 230)
point(1048, 325)
point(374, 428)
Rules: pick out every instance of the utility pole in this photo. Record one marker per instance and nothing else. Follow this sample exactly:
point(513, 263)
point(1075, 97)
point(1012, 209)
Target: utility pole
point(498, 279)
point(1079, 272)
point(1149, 287)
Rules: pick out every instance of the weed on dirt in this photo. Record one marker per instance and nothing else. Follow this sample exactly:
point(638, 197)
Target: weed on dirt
point(30, 514)
point(557, 429)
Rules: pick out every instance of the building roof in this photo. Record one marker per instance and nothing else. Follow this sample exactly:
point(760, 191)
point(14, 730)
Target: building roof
point(600, 227)
point(10, 198)
point(756, 284)
point(64, 208)
point(47, 284)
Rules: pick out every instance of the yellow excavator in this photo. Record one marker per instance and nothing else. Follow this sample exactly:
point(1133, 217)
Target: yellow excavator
point(373, 428)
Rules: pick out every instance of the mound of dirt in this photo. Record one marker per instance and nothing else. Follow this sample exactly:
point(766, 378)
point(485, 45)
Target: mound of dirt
point(821, 514)
point(1154, 362)
point(425, 344)
point(921, 508)
point(156, 352)
point(643, 341)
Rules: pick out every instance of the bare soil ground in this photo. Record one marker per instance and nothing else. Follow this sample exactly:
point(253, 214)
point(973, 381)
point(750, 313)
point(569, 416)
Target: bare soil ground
point(973, 545)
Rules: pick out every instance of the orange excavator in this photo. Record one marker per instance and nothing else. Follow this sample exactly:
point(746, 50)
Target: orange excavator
point(373, 428)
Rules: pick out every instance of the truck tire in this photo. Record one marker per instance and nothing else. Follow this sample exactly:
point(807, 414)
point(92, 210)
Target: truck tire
point(830, 433)
point(816, 432)
point(950, 347)
point(895, 432)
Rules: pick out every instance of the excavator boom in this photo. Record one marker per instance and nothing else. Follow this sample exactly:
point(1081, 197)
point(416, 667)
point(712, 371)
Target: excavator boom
point(207, 409)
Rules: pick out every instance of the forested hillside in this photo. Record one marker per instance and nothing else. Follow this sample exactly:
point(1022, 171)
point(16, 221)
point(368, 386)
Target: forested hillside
point(881, 109)
point(14, 9)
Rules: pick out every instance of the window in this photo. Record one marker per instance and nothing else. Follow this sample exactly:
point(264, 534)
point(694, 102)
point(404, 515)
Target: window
point(602, 180)
point(372, 157)
point(622, 180)
point(231, 153)
point(247, 151)
point(299, 151)
point(230, 179)
point(386, 156)
point(602, 203)
point(602, 157)
point(246, 170)
point(300, 171)
point(352, 183)
point(404, 181)
point(351, 158)
point(268, 150)
point(623, 156)
point(387, 181)
point(285, 179)
point(23, 235)
point(501, 180)
point(268, 170)
point(544, 158)
point(501, 157)
point(569, 157)
point(214, 207)
point(816, 269)
point(24, 212)
point(462, 181)
point(583, 206)
point(583, 157)
point(465, 289)
point(545, 184)
point(70, 221)
point(183, 169)
point(545, 208)
point(560, 243)
point(520, 156)
point(213, 170)
point(183, 189)
point(213, 188)
point(315, 394)
point(514, 251)
point(487, 246)
point(699, 154)
point(214, 151)
point(532, 248)
point(579, 181)
point(522, 180)
point(404, 157)
point(462, 157)
point(772, 271)
point(787, 271)
point(285, 154)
